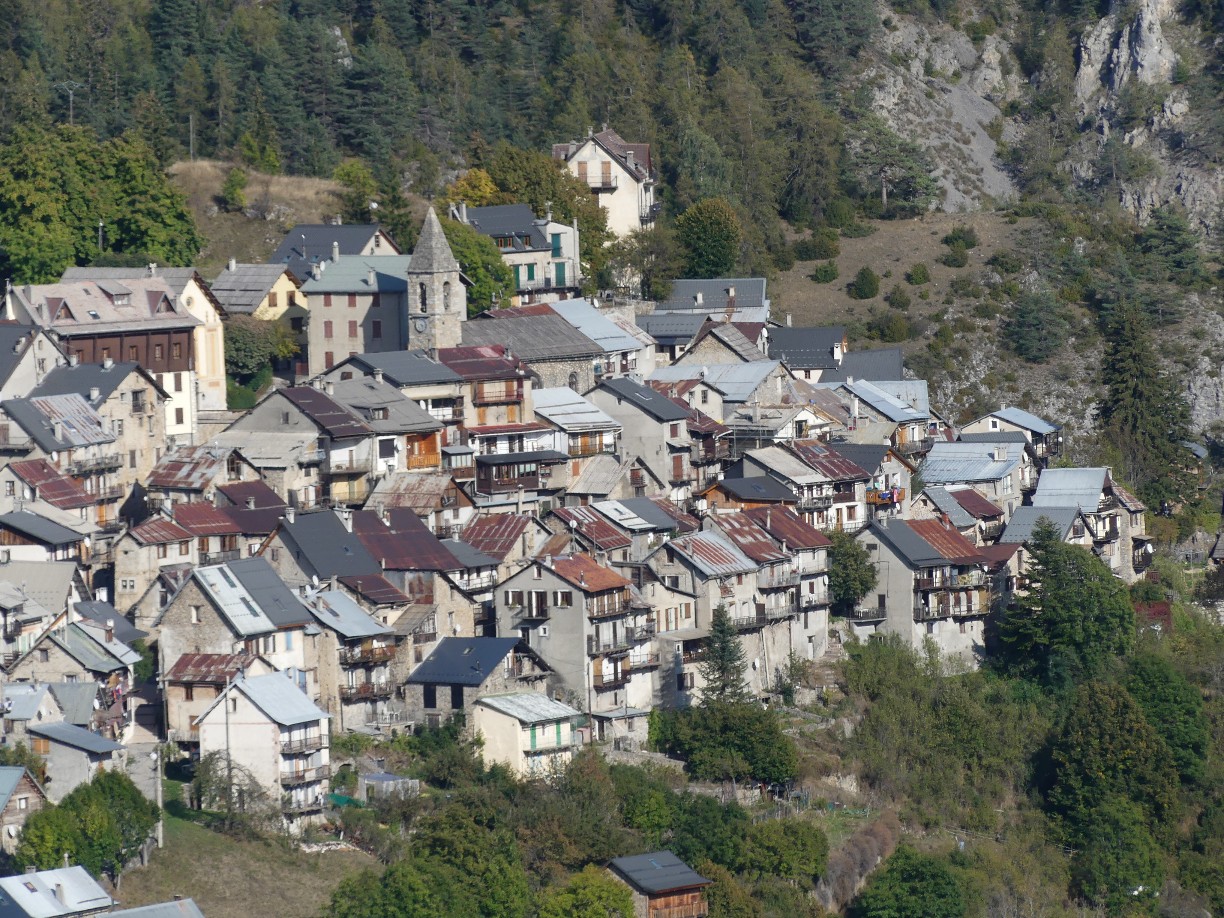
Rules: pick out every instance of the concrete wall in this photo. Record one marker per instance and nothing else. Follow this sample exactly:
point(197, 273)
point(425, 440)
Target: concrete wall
point(25, 800)
point(508, 742)
point(68, 768)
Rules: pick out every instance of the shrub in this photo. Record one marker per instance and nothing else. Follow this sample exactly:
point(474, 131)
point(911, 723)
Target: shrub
point(897, 298)
point(957, 256)
point(961, 235)
point(825, 273)
point(233, 192)
point(918, 275)
point(840, 212)
point(821, 244)
point(1005, 262)
point(865, 286)
point(889, 326)
point(857, 230)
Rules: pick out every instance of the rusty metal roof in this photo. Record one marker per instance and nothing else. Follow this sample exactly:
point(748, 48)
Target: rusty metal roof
point(488, 430)
point(239, 493)
point(209, 668)
point(202, 519)
point(190, 468)
point(947, 541)
point(974, 503)
point(332, 418)
point(788, 527)
point(375, 589)
point(685, 522)
point(406, 545)
point(56, 489)
point(712, 553)
point(497, 534)
point(828, 461)
point(593, 526)
point(421, 492)
point(585, 573)
point(750, 538)
point(482, 361)
point(158, 531)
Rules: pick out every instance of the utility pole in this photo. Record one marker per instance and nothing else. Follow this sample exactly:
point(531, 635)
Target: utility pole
point(191, 136)
point(100, 225)
point(70, 87)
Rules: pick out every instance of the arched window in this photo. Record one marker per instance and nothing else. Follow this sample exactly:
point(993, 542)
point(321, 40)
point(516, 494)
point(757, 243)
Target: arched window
point(424, 298)
point(573, 381)
point(445, 296)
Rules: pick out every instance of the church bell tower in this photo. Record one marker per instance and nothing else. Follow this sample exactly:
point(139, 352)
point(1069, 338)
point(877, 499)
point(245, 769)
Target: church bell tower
point(437, 300)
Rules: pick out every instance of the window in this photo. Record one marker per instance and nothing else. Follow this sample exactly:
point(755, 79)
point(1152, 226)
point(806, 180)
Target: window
point(684, 681)
point(430, 693)
point(106, 353)
point(159, 352)
point(556, 245)
point(10, 488)
point(352, 329)
point(189, 693)
point(272, 299)
point(176, 351)
point(178, 382)
point(705, 396)
point(288, 640)
point(422, 300)
point(445, 295)
point(456, 699)
point(185, 547)
point(327, 300)
point(537, 573)
point(23, 803)
point(41, 745)
point(376, 329)
point(328, 360)
point(131, 458)
point(133, 353)
point(531, 272)
point(178, 415)
point(44, 656)
point(327, 329)
point(195, 615)
point(352, 301)
point(162, 551)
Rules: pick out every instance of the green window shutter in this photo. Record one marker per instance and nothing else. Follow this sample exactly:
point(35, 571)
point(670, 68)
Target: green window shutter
point(559, 271)
point(517, 281)
point(558, 733)
point(531, 272)
point(556, 242)
point(533, 736)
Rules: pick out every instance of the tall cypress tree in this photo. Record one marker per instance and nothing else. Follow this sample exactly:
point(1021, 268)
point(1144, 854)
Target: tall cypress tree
point(724, 665)
point(1143, 413)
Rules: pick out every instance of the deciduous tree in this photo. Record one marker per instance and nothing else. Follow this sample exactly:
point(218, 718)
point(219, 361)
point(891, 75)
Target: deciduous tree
point(851, 573)
point(709, 234)
point(911, 884)
point(592, 893)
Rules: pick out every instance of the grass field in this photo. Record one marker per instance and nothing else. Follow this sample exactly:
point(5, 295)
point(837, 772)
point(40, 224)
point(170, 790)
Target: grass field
point(232, 878)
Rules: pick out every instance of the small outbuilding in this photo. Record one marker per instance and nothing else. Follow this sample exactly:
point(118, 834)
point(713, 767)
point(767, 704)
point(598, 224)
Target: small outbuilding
point(663, 886)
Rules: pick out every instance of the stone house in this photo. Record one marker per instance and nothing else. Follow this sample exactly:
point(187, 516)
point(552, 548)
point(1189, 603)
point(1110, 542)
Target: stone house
point(555, 352)
point(809, 548)
point(541, 252)
point(461, 670)
point(193, 473)
point(1113, 516)
point(653, 428)
point(141, 553)
point(1001, 471)
point(1045, 438)
point(270, 293)
point(809, 351)
point(279, 737)
point(974, 517)
point(194, 681)
point(628, 350)
point(20, 796)
point(621, 175)
point(513, 539)
point(25, 705)
point(407, 436)
point(73, 755)
point(27, 354)
point(531, 734)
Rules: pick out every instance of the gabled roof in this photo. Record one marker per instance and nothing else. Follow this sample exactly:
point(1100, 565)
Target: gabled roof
point(202, 519)
point(975, 504)
point(264, 585)
point(87, 645)
point(403, 368)
point(944, 502)
point(654, 403)
point(92, 307)
point(570, 411)
point(497, 534)
point(432, 253)
point(926, 543)
point(648, 514)
point(785, 463)
point(529, 707)
point(39, 528)
point(421, 492)
point(176, 279)
point(48, 583)
point(178, 908)
point(736, 382)
point(594, 526)
point(1081, 488)
point(158, 530)
point(471, 558)
point(597, 326)
point(208, 668)
point(731, 337)
point(749, 292)
point(403, 544)
point(241, 288)
point(310, 243)
point(336, 610)
point(463, 661)
point(84, 377)
point(358, 275)
point(750, 538)
point(787, 527)
point(760, 488)
point(240, 492)
point(948, 463)
point(232, 600)
point(367, 397)
point(10, 777)
point(585, 573)
point(712, 554)
point(671, 328)
point(657, 872)
point(867, 456)
point(35, 895)
point(880, 363)
point(15, 340)
point(77, 700)
point(103, 614)
point(1024, 420)
point(330, 416)
point(77, 737)
point(56, 489)
point(79, 425)
point(375, 589)
point(24, 699)
point(324, 547)
point(277, 697)
point(482, 362)
point(806, 348)
point(531, 336)
point(1025, 519)
point(885, 402)
point(190, 468)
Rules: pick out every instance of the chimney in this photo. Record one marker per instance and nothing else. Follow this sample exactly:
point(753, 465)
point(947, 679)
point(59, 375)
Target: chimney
point(629, 158)
point(152, 269)
point(110, 630)
point(1000, 453)
point(290, 513)
point(335, 251)
point(250, 503)
point(94, 393)
point(60, 896)
point(108, 363)
point(57, 431)
point(316, 271)
point(329, 387)
point(317, 384)
point(233, 264)
point(371, 277)
point(346, 517)
point(73, 360)
point(378, 374)
point(697, 298)
point(789, 323)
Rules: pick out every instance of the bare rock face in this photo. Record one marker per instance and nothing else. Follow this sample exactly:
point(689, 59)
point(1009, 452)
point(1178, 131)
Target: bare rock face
point(1115, 51)
point(935, 87)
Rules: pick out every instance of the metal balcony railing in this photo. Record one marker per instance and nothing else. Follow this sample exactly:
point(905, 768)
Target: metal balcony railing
point(617, 644)
point(816, 502)
point(539, 613)
point(366, 691)
point(220, 557)
point(612, 679)
point(305, 775)
point(843, 497)
point(302, 744)
point(367, 654)
point(95, 464)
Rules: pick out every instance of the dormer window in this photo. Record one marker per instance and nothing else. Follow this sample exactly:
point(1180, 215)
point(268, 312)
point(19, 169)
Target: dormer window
point(378, 414)
point(123, 299)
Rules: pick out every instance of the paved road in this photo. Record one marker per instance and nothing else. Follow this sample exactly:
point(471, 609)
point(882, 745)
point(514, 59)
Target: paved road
point(143, 741)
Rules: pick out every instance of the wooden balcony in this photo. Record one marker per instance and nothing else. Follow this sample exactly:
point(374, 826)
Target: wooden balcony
point(885, 497)
point(367, 653)
point(366, 691)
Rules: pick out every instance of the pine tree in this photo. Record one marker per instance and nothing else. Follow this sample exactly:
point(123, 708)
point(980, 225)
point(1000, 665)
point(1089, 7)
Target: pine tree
point(1143, 413)
point(723, 665)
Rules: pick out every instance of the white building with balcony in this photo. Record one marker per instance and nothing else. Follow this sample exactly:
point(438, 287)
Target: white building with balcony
point(542, 253)
point(621, 175)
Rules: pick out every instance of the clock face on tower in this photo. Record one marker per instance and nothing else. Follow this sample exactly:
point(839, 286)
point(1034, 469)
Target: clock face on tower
point(421, 325)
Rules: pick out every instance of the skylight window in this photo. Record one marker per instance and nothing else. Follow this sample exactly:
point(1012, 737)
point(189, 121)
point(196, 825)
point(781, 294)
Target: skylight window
point(93, 314)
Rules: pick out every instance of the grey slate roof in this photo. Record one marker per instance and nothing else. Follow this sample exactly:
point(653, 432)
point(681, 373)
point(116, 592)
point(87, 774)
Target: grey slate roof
point(77, 700)
point(762, 488)
point(265, 586)
point(12, 334)
point(336, 610)
point(77, 737)
point(39, 528)
point(512, 220)
point(806, 348)
point(736, 381)
point(867, 456)
point(671, 327)
point(907, 543)
point(100, 613)
point(946, 503)
point(880, 363)
point(656, 404)
point(658, 872)
point(432, 253)
point(468, 556)
point(529, 707)
point(240, 290)
point(1025, 519)
point(362, 396)
point(531, 337)
point(90, 653)
point(463, 661)
point(1071, 488)
point(404, 368)
point(300, 253)
point(322, 546)
point(351, 274)
point(749, 292)
point(10, 775)
point(178, 908)
point(277, 696)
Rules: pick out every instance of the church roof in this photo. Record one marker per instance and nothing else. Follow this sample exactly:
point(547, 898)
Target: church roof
point(432, 254)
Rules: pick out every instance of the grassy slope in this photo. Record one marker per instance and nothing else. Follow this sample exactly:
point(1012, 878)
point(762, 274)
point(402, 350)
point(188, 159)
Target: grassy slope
point(231, 878)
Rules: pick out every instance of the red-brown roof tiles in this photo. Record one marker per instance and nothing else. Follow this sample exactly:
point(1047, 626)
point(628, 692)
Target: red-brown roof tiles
point(947, 541)
point(975, 504)
point(587, 574)
point(787, 526)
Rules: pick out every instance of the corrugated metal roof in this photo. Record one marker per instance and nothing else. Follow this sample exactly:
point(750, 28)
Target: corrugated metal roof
point(712, 554)
point(463, 661)
point(78, 699)
point(482, 362)
point(1025, 519)
point(208, 668)
point(190, 468)
point(336, 610)
point(947, 541)
point(1081, 488)
point(585, 573)
point(332, 418)
point(406, 545)
point(750, 538)
point(943, 500)
point(595, 325)
point(600, 476)
point(367, 397)
point(570, 411)
point(975, 504)
point(497, 534)
point(279, 603)
point(782, 462)
point(233, 601)
point(658, 872)
point(159, 531)
point(351, 274)
point(179, 908)
point(79, 425)
point(103, 613)
point(56, 489)
point(26, 699)
point(37, 894)
point(735, 381)
point(1023, 419)
point(529, 707)
point(1128, 500)
point(594, 526)
point(948, 463)
point(887, 404)
point(787, 527)
point(324, 547)
point(279, 698)
point(421, 492)
point(240, 492)
point(205, 520)
point(912, 392)
point(469, 557)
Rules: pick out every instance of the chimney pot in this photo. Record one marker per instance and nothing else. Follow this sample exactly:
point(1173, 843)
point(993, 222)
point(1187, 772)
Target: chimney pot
point(250, 503)
point(73, 360)
point(378, 374)
point(289, 514)
point(233, 264)
point(94, 393)
point(371, 277)
point(335, 251)
point(108, 363)
point(329, 387)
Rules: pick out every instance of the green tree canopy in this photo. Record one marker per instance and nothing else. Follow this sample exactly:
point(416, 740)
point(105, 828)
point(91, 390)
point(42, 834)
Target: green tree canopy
point(252, 344)
point(1120, 865)
point(793, 849)
point(709, 234)
point(883, 161)
point(851, 573)
point(589, 894)
point(911, 884)
point(1036, 327)
point(492, 279)
point(723, 665)
point(1073, 616)
point(721, 741)
point(1174, 708)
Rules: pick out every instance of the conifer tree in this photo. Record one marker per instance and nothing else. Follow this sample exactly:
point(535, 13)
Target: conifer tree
point(724, 665)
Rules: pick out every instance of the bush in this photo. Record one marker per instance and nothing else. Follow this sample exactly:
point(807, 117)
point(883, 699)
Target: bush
point(957, 256)
point(964, 236)
point(821, 244)
point(857, 230)
point(918, 275)
point(825, 273)
point(722, 741)
point(891, 327)
point(897, 298)
point(839, 213)
point(1005, 262)
point(865, 286)
point(233, 192)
